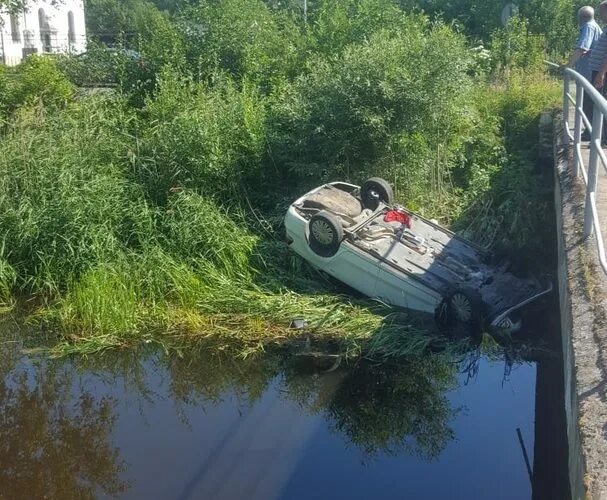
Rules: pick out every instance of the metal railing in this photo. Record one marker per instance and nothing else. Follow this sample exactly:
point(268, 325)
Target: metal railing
point(590, 172)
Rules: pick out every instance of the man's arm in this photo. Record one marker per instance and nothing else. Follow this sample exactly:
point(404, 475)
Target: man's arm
point(575, 56)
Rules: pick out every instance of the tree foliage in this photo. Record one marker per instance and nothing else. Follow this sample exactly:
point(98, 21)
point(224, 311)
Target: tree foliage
point(12, 5)
point(385, 106)
point(136, 24)
point(243, 37)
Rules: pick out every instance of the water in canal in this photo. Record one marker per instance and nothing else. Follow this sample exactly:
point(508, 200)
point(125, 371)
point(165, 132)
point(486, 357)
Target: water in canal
point(147, 425)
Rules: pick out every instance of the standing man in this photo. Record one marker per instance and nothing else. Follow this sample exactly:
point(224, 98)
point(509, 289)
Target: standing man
point(597, 60)
point(598, 55)
point(590, 32)
point(598, 52)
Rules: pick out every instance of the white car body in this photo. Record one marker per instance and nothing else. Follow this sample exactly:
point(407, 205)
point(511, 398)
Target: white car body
point(414, 270)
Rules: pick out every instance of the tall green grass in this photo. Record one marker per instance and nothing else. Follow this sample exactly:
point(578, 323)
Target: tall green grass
point(113, 264)
point(155, 298)
point(143, 215)
point(65, 201)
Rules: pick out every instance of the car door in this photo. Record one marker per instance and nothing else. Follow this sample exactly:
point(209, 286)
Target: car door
point(354, 268)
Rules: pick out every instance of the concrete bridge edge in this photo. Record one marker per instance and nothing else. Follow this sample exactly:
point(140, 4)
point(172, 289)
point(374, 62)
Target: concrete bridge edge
point(582, 291)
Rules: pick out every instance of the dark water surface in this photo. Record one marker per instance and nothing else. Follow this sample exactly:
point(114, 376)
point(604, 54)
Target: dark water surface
point(146, 425)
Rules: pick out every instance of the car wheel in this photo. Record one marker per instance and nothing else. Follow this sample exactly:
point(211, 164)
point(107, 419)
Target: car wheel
point(464, 307)
point(375, 191)
point(326, 233)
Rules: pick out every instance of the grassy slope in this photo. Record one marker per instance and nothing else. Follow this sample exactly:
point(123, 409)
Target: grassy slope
point(125, 224)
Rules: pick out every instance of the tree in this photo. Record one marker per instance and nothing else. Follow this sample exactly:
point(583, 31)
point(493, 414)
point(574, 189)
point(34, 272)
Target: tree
point(138, 25)
point(12, 5)
point(383, 408)
point(19, 5)
point(245, 38)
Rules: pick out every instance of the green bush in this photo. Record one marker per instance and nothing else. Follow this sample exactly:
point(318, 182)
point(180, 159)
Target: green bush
point(507, 204)
point(141, 39)
point(135, 25)
point(338, 24)
point(555, 20)
point(516, 46)
point(399, 105)
point(37, 80)
point(244, 38)
point(208, 138)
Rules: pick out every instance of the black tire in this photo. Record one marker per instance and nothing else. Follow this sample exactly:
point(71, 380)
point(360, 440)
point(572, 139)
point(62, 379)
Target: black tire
point(464, 306)
point(375, 191)
point(326, 233)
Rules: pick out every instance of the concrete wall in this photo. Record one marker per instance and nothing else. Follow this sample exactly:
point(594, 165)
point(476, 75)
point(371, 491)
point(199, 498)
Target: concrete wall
point(582, 288)
point(576, 467)
point(43, 27)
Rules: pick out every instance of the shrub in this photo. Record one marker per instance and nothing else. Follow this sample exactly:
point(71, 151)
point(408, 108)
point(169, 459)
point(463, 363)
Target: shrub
point(136, 25)
point(338, 24)
point(398, 106)
point(521, 98)
point(37, 80)
point(208, 138)
point(142, 41)
point(508, 204)
point(555, 20)
point(244, 38)
point(516, 46)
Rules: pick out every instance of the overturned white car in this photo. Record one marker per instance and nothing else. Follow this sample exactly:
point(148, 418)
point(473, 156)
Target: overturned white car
point(357, 235)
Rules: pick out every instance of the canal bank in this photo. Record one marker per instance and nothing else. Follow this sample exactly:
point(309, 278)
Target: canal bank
point(583, 293)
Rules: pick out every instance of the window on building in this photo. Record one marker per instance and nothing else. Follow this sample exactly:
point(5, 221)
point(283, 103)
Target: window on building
point(42, 22)
point(46, 43)
point(15, 28)
point(45, 35)
point(71, 27)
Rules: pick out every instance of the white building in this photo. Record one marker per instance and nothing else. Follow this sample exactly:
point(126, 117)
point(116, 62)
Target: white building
point(42, 28)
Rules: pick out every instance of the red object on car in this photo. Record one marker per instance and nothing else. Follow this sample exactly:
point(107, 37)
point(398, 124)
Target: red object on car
point(398, 216)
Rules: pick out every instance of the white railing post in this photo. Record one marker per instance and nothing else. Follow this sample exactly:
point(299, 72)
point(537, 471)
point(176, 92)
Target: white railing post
point(577, 133)
point(593, 170)
point(590, 171)
point(566, 102)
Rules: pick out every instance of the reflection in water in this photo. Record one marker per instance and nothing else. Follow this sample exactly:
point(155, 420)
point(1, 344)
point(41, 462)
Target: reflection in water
point(385, 408)
point(56, 437)
point(52, 444)
point(58, 418)
point(389, 408)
